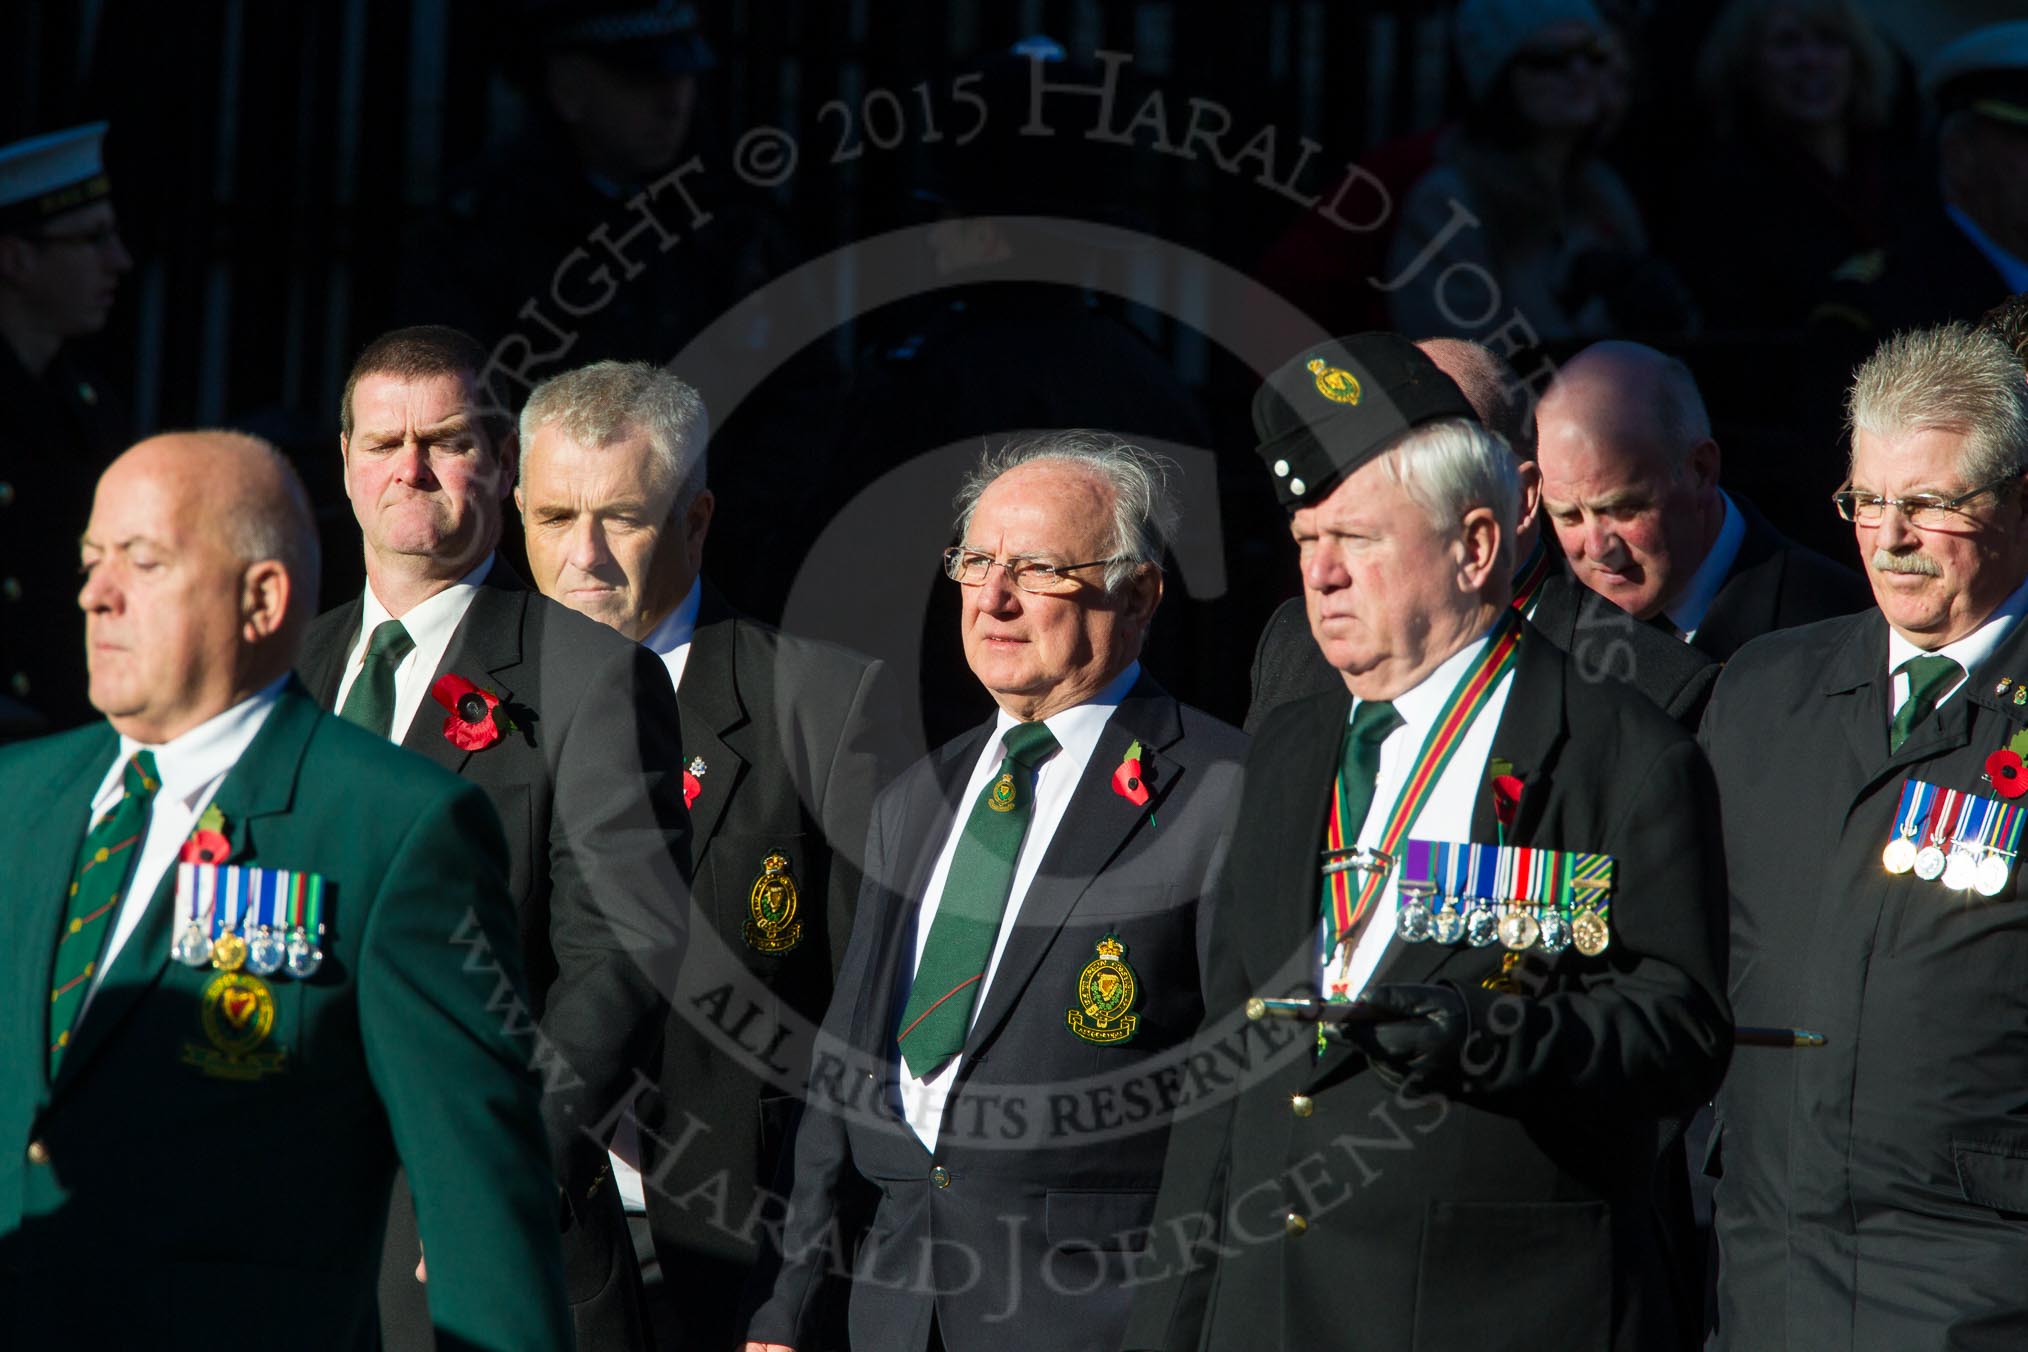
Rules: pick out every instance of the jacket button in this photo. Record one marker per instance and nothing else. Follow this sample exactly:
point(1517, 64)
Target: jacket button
point(38, 1153)
point(1294, 1224)
point(1301, 1105)
point(940, 1176)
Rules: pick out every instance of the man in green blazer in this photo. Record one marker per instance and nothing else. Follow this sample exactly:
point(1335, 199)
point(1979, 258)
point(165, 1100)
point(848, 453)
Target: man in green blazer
point(202, 1117)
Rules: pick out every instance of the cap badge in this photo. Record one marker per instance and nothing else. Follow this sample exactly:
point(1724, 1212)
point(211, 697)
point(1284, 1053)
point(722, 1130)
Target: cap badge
point(1335, 383)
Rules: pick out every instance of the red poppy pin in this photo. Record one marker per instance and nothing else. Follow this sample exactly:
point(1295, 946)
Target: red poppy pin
point(475, 721)
point(693, 782)
point(207, 844)
point(2006, 773)
point(1130, 781)
point(1506, 798)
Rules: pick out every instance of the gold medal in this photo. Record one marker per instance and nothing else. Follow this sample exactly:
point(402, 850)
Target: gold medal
point(1899, 856)
point(228, 952)
point(773, 901)
point(1519, 930)
point(1588, 932)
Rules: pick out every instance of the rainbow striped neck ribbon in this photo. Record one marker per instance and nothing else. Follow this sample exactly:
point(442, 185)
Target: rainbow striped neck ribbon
point(1469, 696)
point(1529, 577)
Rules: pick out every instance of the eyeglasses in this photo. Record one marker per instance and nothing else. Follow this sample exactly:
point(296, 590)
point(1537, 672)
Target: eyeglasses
point(1929, 511)
point(969, 566)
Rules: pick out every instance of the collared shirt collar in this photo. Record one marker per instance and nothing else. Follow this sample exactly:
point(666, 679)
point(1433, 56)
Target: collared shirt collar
point(1420, 705)
point(429, 623)
point(1969, 651)
point(191, 765)
point(679, 626)
point(1078, 728)
point(2013, 270)
point(1690, 608)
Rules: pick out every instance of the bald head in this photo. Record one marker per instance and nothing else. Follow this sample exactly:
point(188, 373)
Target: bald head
point(1491, 387)
point(1629, 473)
point(200, 565)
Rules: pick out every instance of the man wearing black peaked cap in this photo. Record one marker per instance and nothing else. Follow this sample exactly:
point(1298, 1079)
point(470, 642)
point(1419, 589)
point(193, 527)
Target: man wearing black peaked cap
point(1477, 1164)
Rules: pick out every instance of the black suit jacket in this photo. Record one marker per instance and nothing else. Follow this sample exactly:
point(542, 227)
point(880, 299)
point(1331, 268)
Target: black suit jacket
point(1517, 1207)
point(1871, 1191)
point(1016, 1232)
point(1775, 583)
point(1604, 643)
point(795, 737)
point(589, 788)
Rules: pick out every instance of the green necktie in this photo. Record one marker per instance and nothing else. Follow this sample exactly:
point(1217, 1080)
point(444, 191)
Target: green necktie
point(97, 883)
point(1358, 768)
point(1928, 678)
point(967, 923)
point(370, 702)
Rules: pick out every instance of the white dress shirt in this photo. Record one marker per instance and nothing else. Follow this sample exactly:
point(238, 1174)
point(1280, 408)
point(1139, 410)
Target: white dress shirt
point(1968, 652)
point(1077, 731)
point(1695, 602)
point(430, 625)
point(191, 768)
point(1446, 814)
point(670, 641)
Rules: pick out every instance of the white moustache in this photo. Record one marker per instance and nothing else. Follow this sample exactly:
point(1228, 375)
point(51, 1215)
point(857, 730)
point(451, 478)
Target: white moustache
point(1919, 564)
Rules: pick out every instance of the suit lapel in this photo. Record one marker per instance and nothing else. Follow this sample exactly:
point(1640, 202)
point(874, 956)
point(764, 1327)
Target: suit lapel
point(59, 819)
point(712, 711)
point(1096, 825)
point(261, 784)
point(322, 664)
point(1745, 603)
point(485, 646)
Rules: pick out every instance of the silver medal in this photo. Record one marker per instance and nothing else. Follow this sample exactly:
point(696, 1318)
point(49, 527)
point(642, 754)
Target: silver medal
point(1448, 925)
point(1412, 917)
point(1482, 926)
point(193, 946)
point(1960, 871)
point(1991, 879)
point(1899, 856)
point(265, 951)
point(1555, 932)
point(1929, 863)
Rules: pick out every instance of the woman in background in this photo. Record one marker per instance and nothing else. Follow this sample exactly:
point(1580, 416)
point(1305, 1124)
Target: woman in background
point(1546, 229)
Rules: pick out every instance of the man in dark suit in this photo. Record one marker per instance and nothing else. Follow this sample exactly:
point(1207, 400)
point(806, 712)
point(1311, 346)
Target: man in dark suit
point(787, 740)
point(1870, 1191)
point(1602, 640)
point(1001, 1059)
point(1630, 486)
point(287, 1068)
point(1481, 1163)
point(571, 730)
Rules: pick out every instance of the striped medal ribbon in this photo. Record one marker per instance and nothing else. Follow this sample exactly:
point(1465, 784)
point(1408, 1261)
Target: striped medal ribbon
point(1473, 689)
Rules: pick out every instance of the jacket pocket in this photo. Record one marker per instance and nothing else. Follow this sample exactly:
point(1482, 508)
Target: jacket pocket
point(1994, 1173)
point(1554, 1266)
point(1115, 1220)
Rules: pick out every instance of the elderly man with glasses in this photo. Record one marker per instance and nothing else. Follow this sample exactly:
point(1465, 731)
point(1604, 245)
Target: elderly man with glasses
point(1009, 1036)
point(1871, 1191)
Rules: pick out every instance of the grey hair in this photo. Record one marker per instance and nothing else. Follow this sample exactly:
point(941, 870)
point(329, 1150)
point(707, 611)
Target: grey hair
point(1449, 467)
point(1143, 507)
point(1949, 378)
point(258, 526)
point(602, 403)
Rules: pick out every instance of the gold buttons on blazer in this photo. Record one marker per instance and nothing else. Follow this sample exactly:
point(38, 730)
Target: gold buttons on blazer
point(1301, 1105)
point(940, 1176)
point(38, 1153)
point(1294, 1225)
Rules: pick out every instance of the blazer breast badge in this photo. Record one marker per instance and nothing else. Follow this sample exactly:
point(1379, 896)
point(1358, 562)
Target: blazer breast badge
point(773, 902)
point(1106, 990)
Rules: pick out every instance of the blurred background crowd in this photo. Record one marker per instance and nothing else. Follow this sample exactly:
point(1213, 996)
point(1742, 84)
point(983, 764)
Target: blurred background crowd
point(1763, 187)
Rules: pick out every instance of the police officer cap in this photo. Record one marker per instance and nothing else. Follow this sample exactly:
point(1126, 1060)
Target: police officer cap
point(1986, 71)
point(46, 176)
point(1342, 402)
